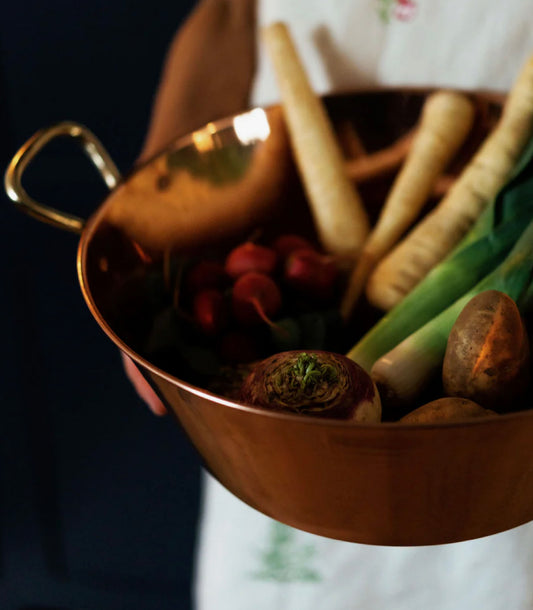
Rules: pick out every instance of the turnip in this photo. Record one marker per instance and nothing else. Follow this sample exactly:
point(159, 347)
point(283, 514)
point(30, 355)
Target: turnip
point(318, 383)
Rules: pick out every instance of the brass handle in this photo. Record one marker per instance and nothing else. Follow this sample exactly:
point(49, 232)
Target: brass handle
point(92, 147)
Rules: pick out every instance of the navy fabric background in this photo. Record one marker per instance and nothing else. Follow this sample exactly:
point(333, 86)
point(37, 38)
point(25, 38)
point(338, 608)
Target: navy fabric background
point(98, 498)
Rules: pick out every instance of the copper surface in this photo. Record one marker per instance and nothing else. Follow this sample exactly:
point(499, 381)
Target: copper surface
point(381, 484)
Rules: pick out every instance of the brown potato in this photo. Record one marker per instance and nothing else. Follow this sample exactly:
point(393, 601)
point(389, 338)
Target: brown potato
point(447, 409)
point(487, 355)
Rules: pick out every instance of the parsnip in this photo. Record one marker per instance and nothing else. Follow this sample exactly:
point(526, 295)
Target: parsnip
point(447, 118)
point(350, 143)
point(434, 236)
point(384, 161)
point(340, 218)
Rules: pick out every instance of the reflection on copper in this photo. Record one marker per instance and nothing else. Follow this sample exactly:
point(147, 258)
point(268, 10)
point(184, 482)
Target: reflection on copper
point(177, 286)
point(142, 254)
point(103, 264)
point(218, 188)
point(163, 182)
point(203, 138)
point(167, 254)
point(251, 126)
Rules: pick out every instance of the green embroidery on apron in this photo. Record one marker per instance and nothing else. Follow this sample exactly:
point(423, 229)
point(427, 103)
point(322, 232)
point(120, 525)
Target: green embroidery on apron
point(284, 559)
point(399, 10)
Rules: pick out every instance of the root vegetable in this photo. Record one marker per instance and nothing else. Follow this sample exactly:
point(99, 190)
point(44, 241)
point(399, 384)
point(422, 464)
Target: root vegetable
point(210, 311)
point(444, 284)
point(319, 383)
point(311, 273)
point(338, 212)
point(487, 354)
point(483, 248)
point(383, 161)
point(349, 140)
point(255, 298)
point(206, 274)
point(403, 372)
point(447, 118)
point(250, 257)
point(440, 230)
point(286, 244)
point(446, 409)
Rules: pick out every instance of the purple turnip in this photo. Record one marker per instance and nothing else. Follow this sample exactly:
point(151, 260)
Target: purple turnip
point(317, 383)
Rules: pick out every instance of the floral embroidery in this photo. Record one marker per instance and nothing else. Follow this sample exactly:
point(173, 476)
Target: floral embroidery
point(401, 10)
point(284, 559)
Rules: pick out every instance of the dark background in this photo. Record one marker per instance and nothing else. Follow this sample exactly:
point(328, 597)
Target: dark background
point(98, 497)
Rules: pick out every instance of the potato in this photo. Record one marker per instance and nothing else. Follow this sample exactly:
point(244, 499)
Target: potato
point(487, 354)
point(447, 409)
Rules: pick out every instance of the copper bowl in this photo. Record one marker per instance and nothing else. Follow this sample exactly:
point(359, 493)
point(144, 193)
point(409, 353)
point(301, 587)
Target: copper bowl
point(380, 484)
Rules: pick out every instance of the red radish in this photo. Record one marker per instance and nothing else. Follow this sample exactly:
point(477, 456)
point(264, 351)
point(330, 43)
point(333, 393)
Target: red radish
point(255, 298)
point(312, 273)
point(210, 310)
point(286, 244)
point(206, 274)
point(250, 257)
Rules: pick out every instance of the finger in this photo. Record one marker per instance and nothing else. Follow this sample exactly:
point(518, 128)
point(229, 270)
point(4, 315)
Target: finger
point(142, 387)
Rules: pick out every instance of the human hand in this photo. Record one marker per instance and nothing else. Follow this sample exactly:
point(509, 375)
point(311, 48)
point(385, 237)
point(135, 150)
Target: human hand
point(207, 75)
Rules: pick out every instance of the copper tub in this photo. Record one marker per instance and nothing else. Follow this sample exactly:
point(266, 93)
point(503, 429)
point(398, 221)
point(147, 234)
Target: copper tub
point(380, 484)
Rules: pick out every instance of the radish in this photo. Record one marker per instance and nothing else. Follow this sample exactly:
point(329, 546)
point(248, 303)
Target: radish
point(284, 245)
point(250, 257)
point(255, 298)
point(311, 273)
point(210, 311)
point(206, 274)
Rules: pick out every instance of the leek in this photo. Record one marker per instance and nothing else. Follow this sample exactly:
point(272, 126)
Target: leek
point(406, 370)
point(450, 279)
point(480, 251)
